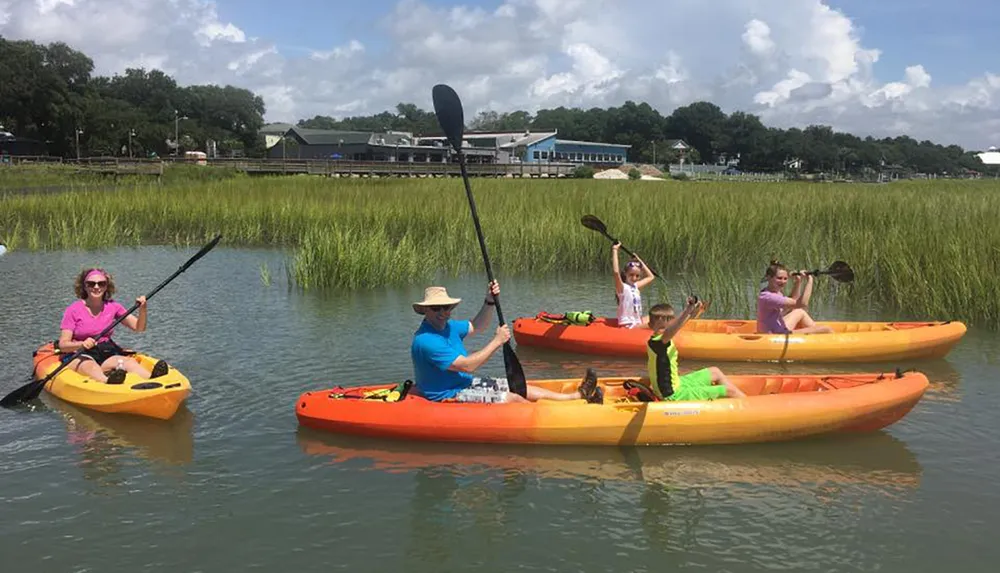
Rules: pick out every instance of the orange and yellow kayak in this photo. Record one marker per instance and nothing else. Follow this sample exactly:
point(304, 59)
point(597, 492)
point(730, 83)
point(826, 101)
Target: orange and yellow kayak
point(776, 408)
point(159, 398)
point(737, 340)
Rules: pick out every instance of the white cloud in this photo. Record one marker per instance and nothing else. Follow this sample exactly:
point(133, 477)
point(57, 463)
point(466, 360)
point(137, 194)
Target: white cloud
point(352, 48)
point(215, 30)
point(793, 62)
point(757, 37)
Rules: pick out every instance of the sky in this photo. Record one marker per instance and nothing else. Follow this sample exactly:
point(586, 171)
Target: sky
point(927, 69)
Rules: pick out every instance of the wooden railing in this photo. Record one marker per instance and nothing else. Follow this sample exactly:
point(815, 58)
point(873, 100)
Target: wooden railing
point(331, 167)
point(326, 167)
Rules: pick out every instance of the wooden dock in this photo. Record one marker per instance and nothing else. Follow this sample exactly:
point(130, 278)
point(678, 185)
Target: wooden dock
point(124, 166)
point(337, 168)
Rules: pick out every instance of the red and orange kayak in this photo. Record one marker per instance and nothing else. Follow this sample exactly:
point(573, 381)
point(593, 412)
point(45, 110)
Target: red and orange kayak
point(737, 340)
point(776, 408)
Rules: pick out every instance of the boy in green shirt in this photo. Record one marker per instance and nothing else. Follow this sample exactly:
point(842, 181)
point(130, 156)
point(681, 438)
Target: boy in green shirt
point(705, 384)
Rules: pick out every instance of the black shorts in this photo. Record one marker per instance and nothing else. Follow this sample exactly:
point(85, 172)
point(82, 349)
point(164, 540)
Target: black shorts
point(99, 353)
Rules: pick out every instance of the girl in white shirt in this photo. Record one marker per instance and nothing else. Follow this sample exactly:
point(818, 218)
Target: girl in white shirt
point(627, 285)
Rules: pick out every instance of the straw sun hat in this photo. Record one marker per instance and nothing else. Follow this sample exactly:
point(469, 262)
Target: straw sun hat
point(434, 295)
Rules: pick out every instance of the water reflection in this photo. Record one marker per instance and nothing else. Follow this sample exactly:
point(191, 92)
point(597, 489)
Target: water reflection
point(480, 508)
point(876, 459)
point(106, 442)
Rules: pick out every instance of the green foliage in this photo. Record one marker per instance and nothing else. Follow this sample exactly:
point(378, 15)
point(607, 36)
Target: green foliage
point(408, 117)
point(584, 172)
point(923, 250)
point(680, 176)
point(634, 174)
point(47, 93)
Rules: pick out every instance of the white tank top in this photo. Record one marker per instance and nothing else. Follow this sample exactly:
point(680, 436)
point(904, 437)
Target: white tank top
point(629, 306)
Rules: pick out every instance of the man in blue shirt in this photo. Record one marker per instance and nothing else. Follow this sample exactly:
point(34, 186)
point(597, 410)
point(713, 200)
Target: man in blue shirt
point(443, 369)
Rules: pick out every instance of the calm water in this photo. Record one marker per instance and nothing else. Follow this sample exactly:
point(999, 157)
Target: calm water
point(232, 484)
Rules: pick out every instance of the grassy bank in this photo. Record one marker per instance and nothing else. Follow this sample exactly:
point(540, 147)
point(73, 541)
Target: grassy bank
point(928, 249)
point(49, 177)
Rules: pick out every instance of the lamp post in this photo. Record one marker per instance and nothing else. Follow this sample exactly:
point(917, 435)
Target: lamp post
point(78, 132)
point(177, 136)
point(131, 133)
point(654, 151)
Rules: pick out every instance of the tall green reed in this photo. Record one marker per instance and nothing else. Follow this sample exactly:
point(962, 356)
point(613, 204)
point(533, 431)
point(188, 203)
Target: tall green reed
point(925, 249)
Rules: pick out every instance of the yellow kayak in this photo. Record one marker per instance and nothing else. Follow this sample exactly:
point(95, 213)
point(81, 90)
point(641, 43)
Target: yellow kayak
point(158, 398)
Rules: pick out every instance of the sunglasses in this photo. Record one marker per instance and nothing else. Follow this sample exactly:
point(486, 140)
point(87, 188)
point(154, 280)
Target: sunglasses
point(97, 284)
point(441, 307)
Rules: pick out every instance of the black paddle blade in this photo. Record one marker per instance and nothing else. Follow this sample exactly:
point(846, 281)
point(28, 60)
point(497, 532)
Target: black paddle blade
point(448, 109)
point(23, 394)
point(515, 374)
point(841, 271)
point(594, 224)
point(204, 250)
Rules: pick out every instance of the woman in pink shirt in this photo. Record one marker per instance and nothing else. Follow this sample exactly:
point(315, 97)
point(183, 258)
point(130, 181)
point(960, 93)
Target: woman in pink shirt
point(780, 314)
point(102, 359)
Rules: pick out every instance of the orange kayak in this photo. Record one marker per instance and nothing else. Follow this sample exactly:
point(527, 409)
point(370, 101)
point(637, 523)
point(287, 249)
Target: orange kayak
point(737, 340)
point(776, 408)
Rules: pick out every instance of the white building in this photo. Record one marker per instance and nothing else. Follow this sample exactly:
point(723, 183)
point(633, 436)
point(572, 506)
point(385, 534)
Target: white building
point(990, 157)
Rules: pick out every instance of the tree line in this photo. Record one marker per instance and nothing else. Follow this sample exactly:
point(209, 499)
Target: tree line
point(739, 137)
point(49, 93)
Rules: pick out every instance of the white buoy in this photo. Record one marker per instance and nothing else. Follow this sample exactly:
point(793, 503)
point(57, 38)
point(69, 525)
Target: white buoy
point(3, 249)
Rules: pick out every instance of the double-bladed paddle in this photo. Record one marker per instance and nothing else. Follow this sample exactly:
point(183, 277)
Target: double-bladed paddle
point(31, 390)
point(448, 109)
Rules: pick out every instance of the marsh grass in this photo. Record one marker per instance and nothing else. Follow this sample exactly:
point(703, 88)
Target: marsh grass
point(926, 250)
point(70, 177)
point(265, 274)
point(40, 176)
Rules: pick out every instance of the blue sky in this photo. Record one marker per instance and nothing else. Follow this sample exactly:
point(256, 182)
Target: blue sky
point(952, 44)
point(953, 40)
point(871, 67)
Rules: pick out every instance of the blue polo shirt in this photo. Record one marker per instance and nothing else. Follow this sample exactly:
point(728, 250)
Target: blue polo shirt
point(432, 353)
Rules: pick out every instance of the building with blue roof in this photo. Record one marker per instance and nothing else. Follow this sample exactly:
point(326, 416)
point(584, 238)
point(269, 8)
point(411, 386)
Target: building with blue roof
point(543, 147)
point(478, 147)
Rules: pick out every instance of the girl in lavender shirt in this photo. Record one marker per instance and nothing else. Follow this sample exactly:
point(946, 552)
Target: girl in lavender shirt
point(627, 284)
point(780, 314)
point(102, 360)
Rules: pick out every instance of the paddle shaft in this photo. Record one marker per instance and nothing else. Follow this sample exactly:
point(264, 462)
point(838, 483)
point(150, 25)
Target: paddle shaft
point(32, 389)
point(630, 253)
point(479, 231)
point(448, 109)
